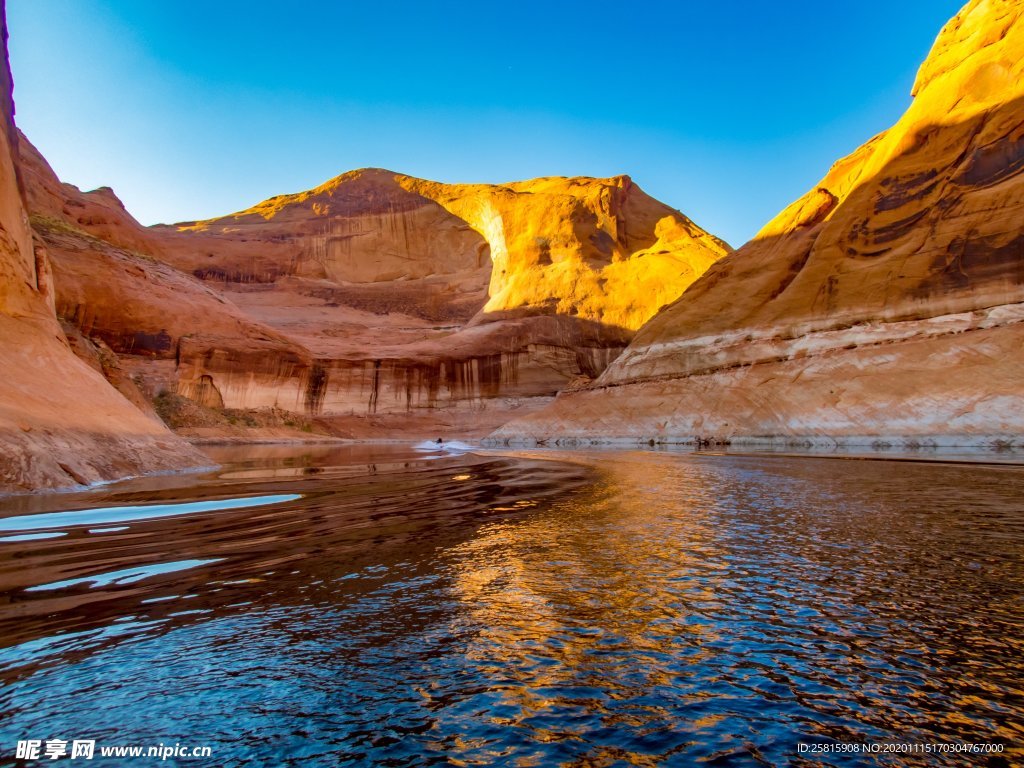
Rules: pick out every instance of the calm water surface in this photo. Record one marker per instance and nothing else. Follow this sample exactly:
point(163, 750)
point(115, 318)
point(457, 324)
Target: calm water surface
point(378, 606)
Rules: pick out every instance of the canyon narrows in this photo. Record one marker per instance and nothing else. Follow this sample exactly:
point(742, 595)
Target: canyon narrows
point(401, 472)
point(376, 305)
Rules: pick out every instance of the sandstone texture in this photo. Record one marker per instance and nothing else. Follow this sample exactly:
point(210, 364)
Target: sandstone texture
point(109, 280)
point(417, 308)
point(595, 249)
point(376, 305)
point(886, 302)
point(61, 423)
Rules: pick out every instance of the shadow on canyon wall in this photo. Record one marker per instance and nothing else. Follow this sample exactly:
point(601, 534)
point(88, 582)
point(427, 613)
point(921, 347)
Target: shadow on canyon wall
point(921, 237)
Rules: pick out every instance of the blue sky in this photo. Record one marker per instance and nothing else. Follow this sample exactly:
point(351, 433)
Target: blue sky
point(725, 110)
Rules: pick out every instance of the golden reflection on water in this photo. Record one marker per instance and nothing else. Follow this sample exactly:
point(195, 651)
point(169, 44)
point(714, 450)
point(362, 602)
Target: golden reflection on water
point(516, 578)
point(561, 592)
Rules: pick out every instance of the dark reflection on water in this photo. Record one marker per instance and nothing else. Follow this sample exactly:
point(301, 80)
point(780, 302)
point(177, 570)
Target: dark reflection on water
point(620, 608)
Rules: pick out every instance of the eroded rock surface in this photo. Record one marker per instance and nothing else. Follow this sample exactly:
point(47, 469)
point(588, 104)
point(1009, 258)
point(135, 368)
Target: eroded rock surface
point(886, 301)
point(377, 304)
point(61, 422)
point(430, 306)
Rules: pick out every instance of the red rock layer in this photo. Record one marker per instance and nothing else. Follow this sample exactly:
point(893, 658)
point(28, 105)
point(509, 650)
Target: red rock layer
point(374, 299)
point(61, 423)
point(368, 302)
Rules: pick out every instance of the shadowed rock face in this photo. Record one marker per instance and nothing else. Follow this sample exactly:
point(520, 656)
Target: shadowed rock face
point(61, 422)
point(360, 227)
point(109, 283)
point(886, 301)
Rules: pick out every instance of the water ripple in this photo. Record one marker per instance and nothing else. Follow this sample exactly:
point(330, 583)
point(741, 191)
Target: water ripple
point(614, 609)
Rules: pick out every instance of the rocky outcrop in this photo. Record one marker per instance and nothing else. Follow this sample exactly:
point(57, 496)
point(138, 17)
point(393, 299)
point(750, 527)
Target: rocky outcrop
point(61, 423)
point(428, 305)
point(886, 302)
point(377, 304)
point(360, 227)
point(600, 250)
point(596, 249)
point(110, 282)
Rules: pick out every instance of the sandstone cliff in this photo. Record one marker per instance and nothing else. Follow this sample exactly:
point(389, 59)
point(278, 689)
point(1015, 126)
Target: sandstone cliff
point(886, 302)
point(379, 304)
point(601, 250)
point(109, 278)
point(61, 423)
point(431, 306)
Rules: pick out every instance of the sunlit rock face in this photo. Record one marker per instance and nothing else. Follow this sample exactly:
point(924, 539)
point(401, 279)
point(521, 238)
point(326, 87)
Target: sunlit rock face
point(360, 227)
point(378, 303)
point(410, 300)
point(601, 250)
point(886, 301)
point(61, 423)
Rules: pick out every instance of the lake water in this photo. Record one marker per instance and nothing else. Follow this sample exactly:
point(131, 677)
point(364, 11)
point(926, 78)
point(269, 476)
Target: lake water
point(377, 605)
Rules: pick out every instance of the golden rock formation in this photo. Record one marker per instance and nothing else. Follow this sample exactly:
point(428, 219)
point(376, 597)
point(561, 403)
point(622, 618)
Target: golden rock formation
point(598, 249)
point(378, 303)
point(419, 300)
point(885, 302)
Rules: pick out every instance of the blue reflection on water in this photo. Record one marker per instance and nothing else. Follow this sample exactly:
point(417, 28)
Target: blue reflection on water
point(124, 514)
point(124, 576)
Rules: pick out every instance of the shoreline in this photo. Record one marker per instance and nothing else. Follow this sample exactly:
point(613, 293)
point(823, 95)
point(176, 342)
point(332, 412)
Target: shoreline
point(907, 450)
point(960, 461)
point(331, 441)
point(889, 449)
point(552, 454)
point(994, 441)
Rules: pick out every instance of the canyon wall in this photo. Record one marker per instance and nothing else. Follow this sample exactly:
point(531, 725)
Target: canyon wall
point(600, 250)
point(111, 280)
point(885, 304)
point(61, 422)
point(430, 306)
point(377, 304)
